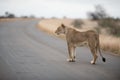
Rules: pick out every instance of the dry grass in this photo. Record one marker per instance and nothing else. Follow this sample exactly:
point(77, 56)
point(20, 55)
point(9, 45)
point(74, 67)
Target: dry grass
point(107, 42)
point(110, 43)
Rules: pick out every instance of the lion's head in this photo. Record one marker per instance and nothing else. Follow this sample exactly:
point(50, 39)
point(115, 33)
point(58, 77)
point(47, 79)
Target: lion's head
point(61, 29)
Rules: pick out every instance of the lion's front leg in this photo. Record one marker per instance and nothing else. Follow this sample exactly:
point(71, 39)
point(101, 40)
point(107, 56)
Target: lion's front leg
point(71, 51)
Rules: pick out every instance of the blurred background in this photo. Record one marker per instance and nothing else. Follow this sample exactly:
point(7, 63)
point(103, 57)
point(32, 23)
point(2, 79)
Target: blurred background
point(56, 8)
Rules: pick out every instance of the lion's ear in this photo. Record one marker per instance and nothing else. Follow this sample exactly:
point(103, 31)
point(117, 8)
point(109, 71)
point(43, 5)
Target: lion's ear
point(63, 25)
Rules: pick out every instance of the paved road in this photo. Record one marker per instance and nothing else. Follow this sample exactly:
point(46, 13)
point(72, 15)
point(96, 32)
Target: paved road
point(27, 53)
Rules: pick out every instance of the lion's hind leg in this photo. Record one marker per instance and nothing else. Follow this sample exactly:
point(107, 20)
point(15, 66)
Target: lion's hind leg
point(94, 53)
point(94, 56)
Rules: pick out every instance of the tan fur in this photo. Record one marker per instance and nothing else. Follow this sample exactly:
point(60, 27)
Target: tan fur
point(76, 38)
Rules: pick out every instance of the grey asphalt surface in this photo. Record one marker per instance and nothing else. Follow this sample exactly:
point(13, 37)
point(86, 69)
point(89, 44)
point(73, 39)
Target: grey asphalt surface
point(27, 53)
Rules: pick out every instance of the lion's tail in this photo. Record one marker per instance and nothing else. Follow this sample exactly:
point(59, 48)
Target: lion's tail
point(101, 55)
point(103, 59)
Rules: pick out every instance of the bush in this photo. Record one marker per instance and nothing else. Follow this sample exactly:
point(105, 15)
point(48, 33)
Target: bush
point(77, 23)
point(112, 24)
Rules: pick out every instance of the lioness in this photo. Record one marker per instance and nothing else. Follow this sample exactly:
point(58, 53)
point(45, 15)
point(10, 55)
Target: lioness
point(75, 38)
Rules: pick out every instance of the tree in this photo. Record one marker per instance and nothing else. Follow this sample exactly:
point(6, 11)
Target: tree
point(6, 13)
point(9, 15)
point(98, 14)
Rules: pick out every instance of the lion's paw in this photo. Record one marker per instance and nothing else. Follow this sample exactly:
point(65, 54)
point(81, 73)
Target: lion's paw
point(92, 62)
point(71, 60)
